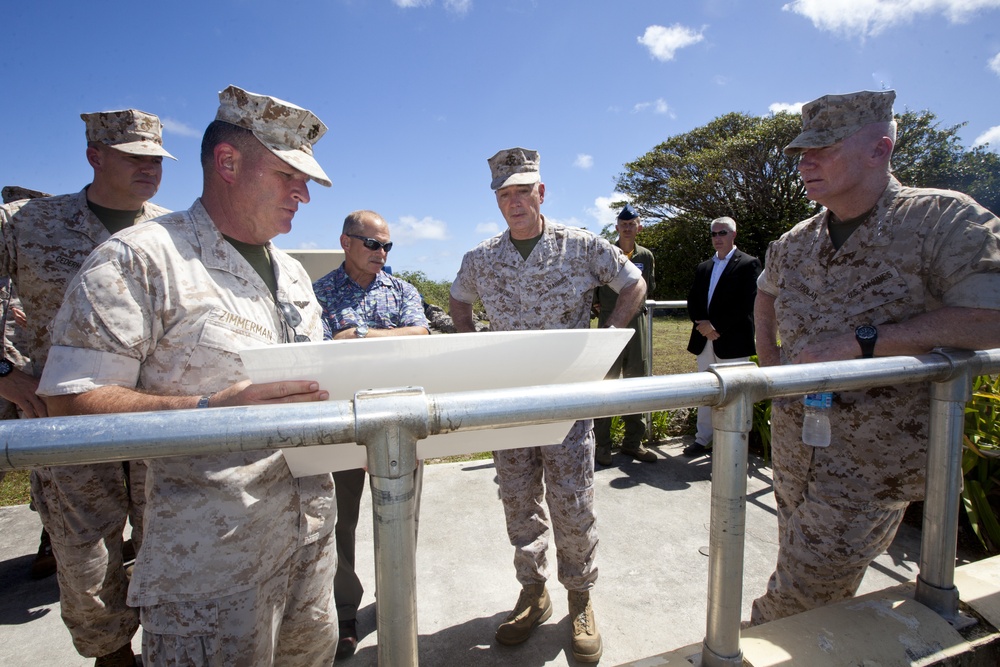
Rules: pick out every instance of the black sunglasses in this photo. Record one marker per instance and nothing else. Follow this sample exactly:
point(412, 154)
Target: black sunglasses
point(372, 244)
point(723, 232)
point(293, 318)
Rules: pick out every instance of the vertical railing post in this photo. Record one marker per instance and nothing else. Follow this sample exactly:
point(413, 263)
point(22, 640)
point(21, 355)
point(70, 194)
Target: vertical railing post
point(389, 423)
point(648, 345)
point(938, 545)
point(731, 423)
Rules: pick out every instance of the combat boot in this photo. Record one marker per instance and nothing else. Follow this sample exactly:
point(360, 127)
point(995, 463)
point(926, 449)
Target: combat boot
point(123, 657)
point(533, 608)
point(640, 453)
point(603, 455)
point(587, 646)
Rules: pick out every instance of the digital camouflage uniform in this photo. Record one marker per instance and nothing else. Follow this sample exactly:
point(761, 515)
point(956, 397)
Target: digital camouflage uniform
point(839, 506)
point(15, 337)
point(387, 303)
point(631, 363)
point(83, 507)
point(234, 545)
point(552, 289)
point(15, 340)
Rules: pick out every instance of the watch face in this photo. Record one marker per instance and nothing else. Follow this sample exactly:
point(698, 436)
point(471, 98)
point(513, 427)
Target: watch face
point(5, 368)
point(865, 332)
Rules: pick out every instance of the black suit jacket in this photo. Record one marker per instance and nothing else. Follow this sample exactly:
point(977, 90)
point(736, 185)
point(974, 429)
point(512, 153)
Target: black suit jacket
point(731, 310)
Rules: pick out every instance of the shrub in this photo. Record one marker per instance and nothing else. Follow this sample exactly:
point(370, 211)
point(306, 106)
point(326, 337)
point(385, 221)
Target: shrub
point(981, 461)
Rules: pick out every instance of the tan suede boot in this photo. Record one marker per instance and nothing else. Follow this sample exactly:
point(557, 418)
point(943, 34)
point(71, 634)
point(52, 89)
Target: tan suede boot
point(587, 646)
point(533, 608)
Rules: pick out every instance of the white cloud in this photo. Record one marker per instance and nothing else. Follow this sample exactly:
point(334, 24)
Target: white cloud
point(663, 43)
point(866, 18)
point(410, 229)
point(584, 161)
point(602, 212)
point(454, 6)
point(172, 126)
point(488, 228)
point(991, 137)
point(308, 245)
point(458, 6)
point(778, 107)
point(995, 63)
point(659, 106)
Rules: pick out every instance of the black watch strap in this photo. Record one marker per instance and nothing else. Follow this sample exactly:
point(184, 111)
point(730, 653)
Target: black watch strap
point(866, 335)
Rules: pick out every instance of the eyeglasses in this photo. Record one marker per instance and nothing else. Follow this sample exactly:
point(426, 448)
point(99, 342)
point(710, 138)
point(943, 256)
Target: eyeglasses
point(293, 319)
point(721, 232)
point(372, 244)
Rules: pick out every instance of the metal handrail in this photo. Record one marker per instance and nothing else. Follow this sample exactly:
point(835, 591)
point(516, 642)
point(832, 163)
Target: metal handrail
point(390, 422)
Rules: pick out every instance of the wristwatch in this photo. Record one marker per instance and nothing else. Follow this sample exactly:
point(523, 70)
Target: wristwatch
point(6, 368)
point(866, 335)
point(361, 330)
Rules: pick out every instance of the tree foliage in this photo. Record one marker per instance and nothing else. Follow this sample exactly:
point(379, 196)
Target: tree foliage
point(734, 166)
point(928, 156)
point(432, 291)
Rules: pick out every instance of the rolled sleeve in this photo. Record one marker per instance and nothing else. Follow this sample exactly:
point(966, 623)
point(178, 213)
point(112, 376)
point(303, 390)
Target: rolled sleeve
point(463, 288)
point(767, 280)
point(980, 290)
point(76, 370)
point(628, 275)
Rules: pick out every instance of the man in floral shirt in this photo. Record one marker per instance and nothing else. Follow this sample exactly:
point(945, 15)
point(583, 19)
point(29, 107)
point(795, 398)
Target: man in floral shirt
point(360, 300)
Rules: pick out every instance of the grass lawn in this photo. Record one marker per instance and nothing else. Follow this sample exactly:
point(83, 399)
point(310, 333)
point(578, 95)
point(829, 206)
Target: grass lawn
point(670, 341)
point(14, 489)
point(670, 355)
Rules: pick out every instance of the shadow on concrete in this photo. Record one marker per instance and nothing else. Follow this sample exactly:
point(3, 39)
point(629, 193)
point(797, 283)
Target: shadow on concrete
point(24, 599)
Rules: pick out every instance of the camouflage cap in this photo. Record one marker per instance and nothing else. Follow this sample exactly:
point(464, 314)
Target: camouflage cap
point(287, 130)
point(129, 131)
point(17, 193)
point(833, 118)
point(514, 166)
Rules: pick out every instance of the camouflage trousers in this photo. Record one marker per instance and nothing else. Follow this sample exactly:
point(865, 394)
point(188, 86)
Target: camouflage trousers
point(826, 539)
point(84, 509)
point(563, 477)
point(288, 619)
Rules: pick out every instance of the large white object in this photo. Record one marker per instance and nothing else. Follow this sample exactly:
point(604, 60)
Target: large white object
point(316, 262)
point(438, 364)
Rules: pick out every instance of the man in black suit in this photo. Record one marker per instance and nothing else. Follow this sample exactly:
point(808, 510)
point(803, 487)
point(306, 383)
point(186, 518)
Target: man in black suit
point(721, 306)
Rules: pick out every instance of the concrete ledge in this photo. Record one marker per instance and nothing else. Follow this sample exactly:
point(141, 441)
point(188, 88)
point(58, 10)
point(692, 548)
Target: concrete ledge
point(979, 587)
point(887, 628)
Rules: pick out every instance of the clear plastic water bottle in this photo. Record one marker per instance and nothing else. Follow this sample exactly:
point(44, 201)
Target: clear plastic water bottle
point(816, 419)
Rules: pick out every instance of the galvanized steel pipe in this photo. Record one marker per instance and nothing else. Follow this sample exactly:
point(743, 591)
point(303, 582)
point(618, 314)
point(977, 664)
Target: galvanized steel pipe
point(741, 384)
point(938, 540)
point(390, 423)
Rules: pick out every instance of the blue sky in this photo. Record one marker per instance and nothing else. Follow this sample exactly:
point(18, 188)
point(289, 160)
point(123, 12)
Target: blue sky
point(419, 93)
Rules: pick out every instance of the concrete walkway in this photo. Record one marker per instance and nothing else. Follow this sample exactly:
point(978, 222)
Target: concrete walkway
point(653, 521)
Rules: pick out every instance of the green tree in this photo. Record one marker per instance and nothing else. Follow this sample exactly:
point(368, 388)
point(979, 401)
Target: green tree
point(432, 291)
point(735, 166)
point(732, 166)
point(929, 156)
